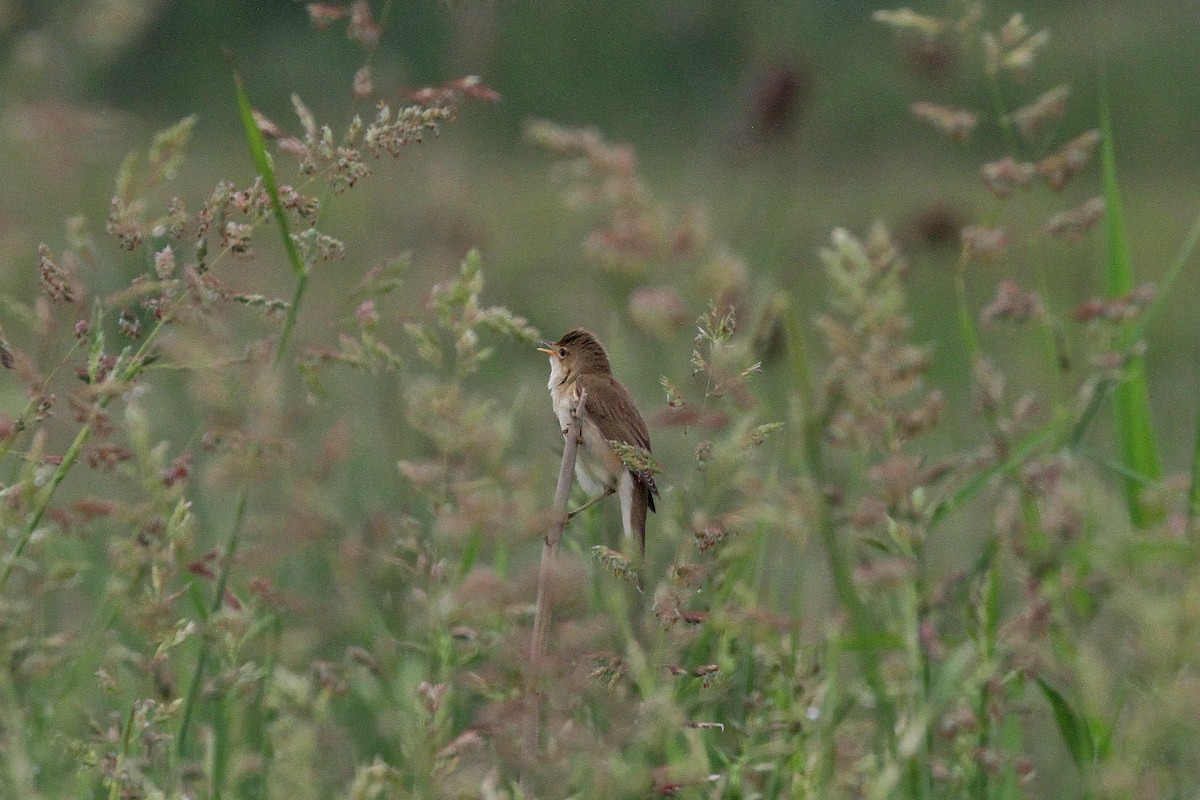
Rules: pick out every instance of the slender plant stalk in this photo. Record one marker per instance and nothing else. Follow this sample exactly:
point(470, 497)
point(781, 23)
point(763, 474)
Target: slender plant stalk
point(808, 421)
point(22, 421)
point(43, 502)
point(865, 632)
point(862, 627)
point(1167, 283)
point(1138, 331)
point(262, 162)
point(966, 323)
point(114, 786)
point(257, 733)
point(289, 321)
point(1000, 108)
point(541, 617)
point(219, 754)
point(193, 695)
point(133, 365)
point(979, 481)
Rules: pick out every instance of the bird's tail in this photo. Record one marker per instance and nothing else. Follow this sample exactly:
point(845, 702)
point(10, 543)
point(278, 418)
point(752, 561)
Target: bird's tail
point(642, 503)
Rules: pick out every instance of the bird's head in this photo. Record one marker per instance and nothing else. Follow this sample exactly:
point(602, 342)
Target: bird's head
point(577, 353)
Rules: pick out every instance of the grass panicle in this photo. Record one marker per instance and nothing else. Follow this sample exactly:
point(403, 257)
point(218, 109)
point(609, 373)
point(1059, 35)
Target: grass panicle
point(273, 500)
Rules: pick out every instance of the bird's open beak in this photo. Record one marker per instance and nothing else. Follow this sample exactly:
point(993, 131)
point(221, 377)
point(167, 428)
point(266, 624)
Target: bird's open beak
point(547, 348)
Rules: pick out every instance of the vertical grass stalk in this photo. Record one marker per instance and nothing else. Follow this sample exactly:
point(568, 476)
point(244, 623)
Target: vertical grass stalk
point(262, 162)
point(542, 613)
point(131, 367)
point(193, 694)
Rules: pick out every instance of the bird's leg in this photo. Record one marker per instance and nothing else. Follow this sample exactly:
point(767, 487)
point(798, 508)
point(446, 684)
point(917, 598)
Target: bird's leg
point(592, 502)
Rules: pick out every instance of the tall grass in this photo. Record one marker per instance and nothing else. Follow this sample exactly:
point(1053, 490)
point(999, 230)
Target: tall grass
point(251, 552)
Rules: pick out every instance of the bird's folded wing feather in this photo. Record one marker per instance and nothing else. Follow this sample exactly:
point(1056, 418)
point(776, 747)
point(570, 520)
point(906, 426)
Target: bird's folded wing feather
point(611, 408)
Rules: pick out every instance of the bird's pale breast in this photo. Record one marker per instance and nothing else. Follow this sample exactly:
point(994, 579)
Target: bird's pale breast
point(597, 465)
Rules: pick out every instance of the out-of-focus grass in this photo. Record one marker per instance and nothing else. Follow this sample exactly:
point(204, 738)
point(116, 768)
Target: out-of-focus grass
point(376, 613)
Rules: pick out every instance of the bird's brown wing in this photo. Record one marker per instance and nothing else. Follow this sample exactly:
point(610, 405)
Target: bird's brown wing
point(612, 409)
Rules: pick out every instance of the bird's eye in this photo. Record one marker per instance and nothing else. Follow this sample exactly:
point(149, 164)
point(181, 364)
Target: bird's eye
point(562, 352)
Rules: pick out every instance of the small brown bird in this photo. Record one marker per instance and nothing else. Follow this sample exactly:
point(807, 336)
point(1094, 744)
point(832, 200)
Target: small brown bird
point(578, 361)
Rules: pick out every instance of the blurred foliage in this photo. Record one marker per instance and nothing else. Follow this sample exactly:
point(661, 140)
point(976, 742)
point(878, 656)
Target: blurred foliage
point(252, 547)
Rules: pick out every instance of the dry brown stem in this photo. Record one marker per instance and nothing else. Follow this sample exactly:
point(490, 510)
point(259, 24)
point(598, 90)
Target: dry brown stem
point(541, 617)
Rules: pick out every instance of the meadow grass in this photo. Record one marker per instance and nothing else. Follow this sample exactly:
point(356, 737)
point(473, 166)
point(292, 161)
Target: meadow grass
point(252, 552)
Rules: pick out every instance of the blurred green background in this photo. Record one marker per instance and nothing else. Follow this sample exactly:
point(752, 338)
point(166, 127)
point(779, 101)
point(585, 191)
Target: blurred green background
point(783, 120)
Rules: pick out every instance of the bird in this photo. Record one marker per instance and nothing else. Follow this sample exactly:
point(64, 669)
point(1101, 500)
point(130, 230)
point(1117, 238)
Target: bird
point(578, 362)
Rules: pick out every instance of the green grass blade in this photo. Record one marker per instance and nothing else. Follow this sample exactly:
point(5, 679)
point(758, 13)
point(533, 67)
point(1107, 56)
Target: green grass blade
point(966, 320)
point(470, 553)
point(262, 162)
point(1100, 395)
point(1164, 290)
point(1167, 283)
point(1076, 733)
point(978, 482)
point(192, 697)
point(1131, 399)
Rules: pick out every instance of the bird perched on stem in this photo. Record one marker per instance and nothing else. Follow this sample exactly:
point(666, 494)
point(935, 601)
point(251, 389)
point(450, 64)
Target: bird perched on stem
point(578, 361)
